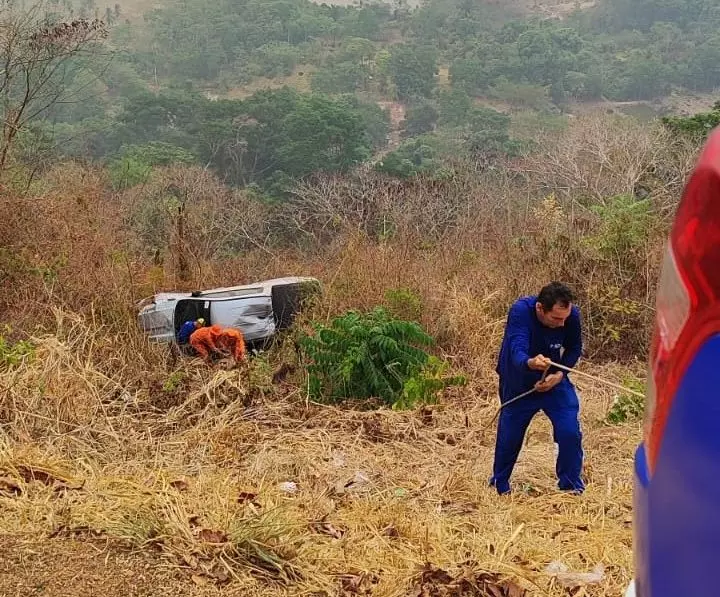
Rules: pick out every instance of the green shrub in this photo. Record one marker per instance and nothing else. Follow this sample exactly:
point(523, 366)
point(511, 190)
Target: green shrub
point(625, 224)
point(422, 155)
point(128, 172)
point(134, 163)
point(424, 387)
point(627, 407)
point(372, 355)
point(695, 127)
point(14, 353)
point(404, 303)
point(174, 382)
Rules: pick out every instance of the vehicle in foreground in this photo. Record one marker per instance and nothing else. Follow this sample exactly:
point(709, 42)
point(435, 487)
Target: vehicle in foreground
point(677, 466)
point(258, 310)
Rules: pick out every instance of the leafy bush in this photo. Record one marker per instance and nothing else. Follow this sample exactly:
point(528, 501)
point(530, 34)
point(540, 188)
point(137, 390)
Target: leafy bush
point(174, 382)
point(345, 77)
point(535, 97)
point(695, 127)
point(413, 70)
point(420, 119)
point(276, 59)
point(627, 407)
point(617, 315)
point(14, 353)
point(420, 155)
point(372, 355)
point(404, 303)
point(158, 153)
point(624, 226)
point(424, 387)
point(128, 172)
point(455, 106)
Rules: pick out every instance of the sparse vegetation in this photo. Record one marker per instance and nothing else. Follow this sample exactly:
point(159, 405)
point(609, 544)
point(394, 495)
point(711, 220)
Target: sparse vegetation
point(627, 407)
point(12, 353)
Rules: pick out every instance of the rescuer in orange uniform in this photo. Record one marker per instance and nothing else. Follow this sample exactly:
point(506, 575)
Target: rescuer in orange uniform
point(210, 340)
point(232, 341)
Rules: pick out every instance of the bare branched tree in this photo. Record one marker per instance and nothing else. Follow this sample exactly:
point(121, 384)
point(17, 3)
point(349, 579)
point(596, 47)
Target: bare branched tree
point(39, 46)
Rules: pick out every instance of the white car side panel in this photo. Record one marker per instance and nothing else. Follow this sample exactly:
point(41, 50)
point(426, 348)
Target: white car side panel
point(253, 316)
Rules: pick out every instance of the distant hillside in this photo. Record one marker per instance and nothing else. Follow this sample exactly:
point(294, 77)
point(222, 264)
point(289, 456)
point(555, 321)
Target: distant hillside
point(131, 9)
point(549, 8)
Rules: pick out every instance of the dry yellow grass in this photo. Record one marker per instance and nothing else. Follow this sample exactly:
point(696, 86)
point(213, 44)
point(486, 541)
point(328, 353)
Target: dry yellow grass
point(194, 474)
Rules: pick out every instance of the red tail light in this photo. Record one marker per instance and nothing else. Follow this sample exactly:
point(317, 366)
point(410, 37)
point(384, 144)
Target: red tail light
point(688, 303)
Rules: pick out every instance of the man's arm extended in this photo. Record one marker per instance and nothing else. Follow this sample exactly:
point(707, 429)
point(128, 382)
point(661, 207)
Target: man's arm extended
point(573, 345)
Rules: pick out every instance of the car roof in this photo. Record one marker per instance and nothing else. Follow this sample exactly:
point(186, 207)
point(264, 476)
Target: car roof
point(257, 288)
point(262, 284)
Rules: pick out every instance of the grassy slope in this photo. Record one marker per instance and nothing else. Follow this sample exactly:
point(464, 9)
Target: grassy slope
point(380, 494)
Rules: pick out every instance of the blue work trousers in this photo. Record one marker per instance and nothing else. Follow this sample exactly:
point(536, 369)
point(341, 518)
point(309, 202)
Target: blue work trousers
point(562, 408)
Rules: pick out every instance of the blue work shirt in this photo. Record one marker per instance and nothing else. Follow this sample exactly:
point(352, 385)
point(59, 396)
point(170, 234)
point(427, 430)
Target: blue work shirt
point(185, 332)
point(525, 338)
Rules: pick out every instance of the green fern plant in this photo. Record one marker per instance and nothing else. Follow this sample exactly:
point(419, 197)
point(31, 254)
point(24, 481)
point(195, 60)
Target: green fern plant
point(364, 355)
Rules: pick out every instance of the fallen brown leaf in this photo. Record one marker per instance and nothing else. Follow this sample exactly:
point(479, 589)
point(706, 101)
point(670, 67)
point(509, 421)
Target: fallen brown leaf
point(391, 532)
point(513, 590)
point(245, 497)
point(29, 474)
point(9, 487)
point(62, 487)
point(200, 581)
point(350, 583)
point(460, 509)
point(209, 536)
point(180, 485)
point(495, 591)
point(435, 582)
point(191, 561)
point(325, 528)
point(220, 574)
point(357, 584)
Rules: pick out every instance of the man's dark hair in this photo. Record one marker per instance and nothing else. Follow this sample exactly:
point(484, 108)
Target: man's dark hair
point(553, 294)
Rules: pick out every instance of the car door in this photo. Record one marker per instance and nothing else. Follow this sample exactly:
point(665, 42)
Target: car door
point(252, 315)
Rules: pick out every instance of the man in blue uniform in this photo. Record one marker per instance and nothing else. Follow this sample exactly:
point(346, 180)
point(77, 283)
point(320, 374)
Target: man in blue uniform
point(540, 329)
point(187, 330)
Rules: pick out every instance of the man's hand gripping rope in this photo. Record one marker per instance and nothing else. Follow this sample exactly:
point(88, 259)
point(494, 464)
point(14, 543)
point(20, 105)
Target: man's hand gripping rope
point(542, 363)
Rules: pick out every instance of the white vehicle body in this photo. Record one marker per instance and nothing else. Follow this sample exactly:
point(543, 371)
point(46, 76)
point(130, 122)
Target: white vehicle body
point(257, 310)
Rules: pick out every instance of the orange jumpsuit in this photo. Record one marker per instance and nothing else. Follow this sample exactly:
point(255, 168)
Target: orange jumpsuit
point(204, 340)
point(213, 339)
point(233, 341)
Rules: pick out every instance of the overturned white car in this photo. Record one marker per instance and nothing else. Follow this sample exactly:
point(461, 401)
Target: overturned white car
point(257, 310)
